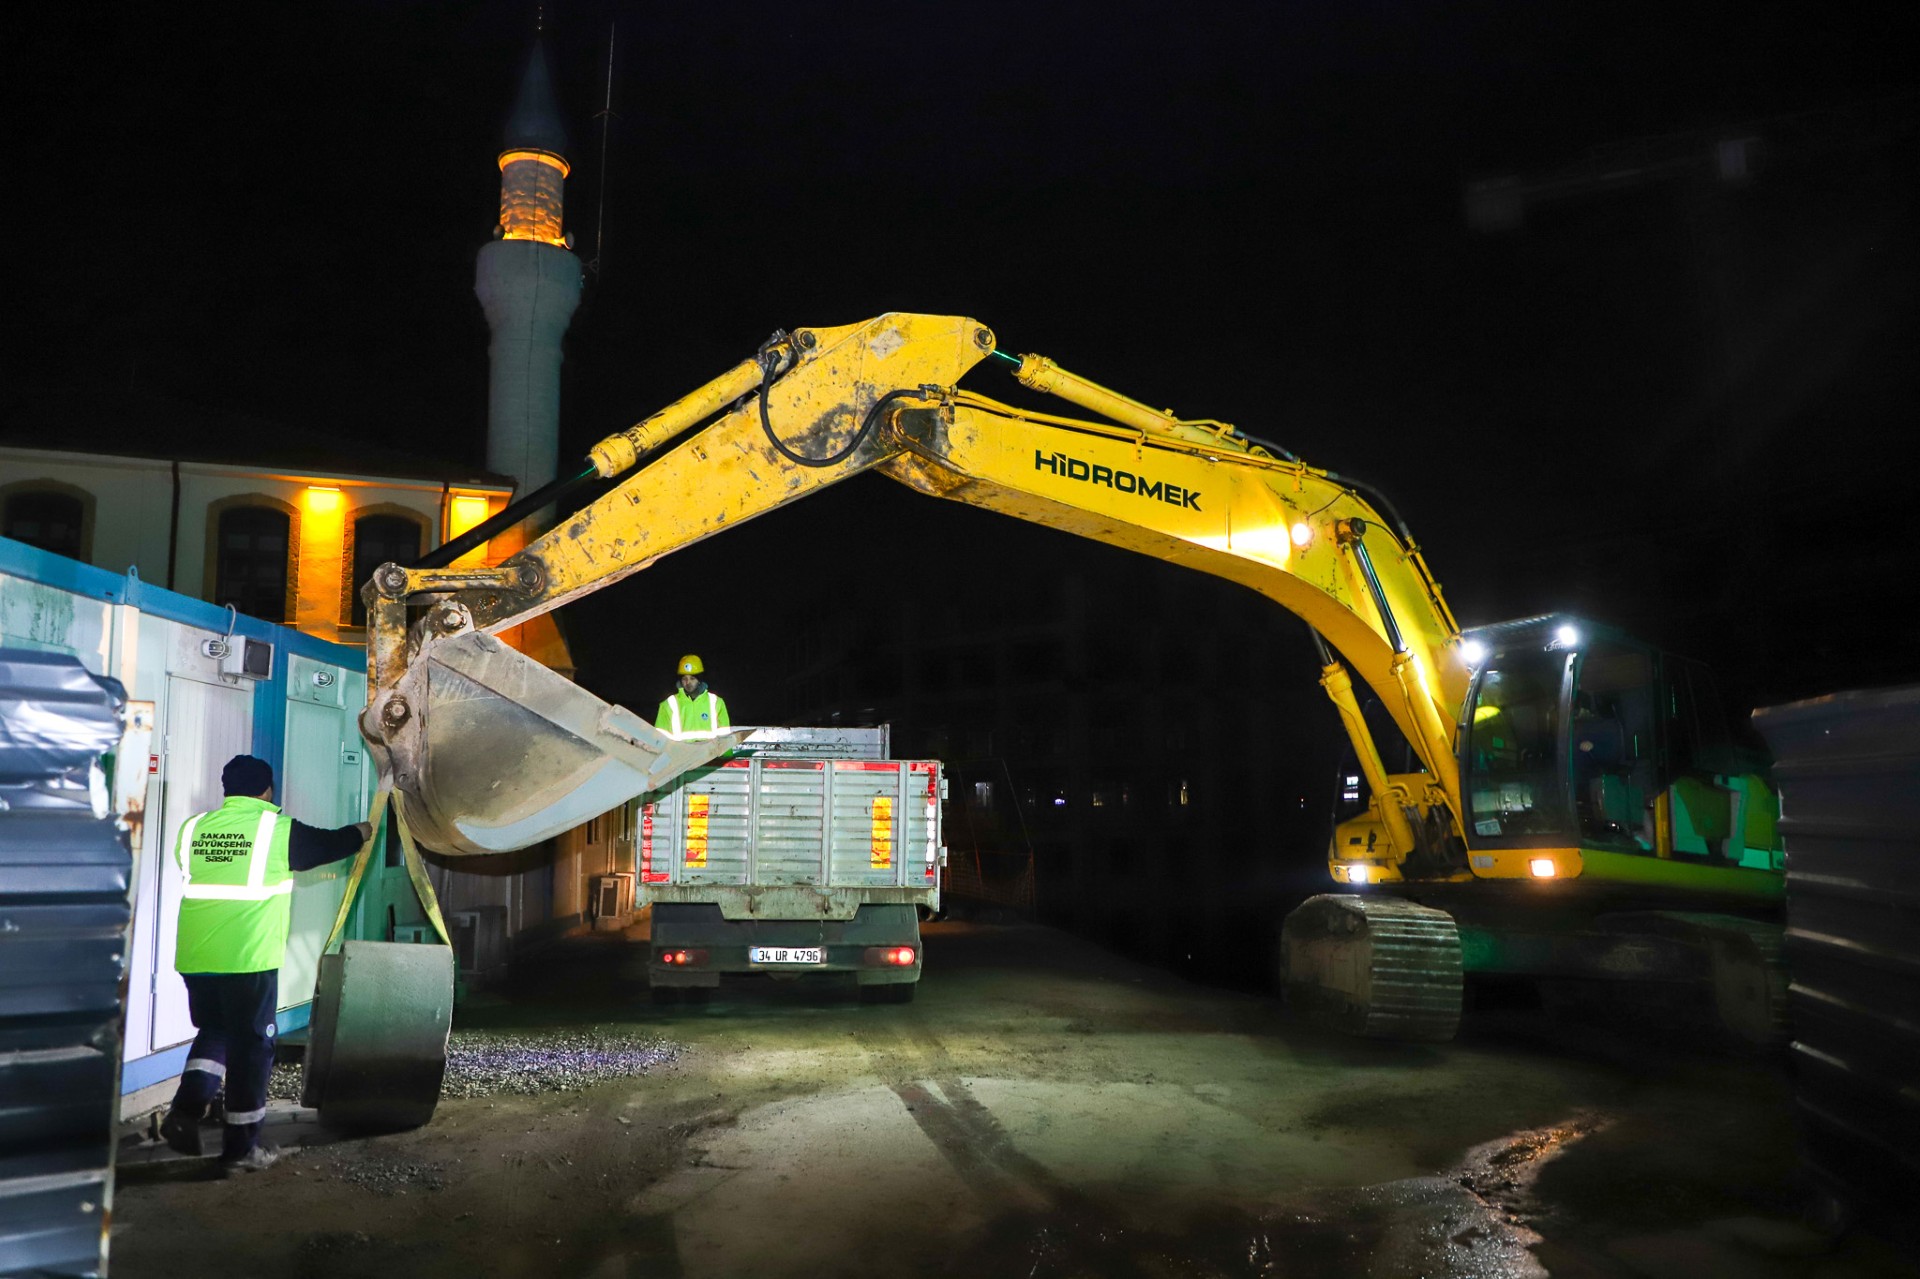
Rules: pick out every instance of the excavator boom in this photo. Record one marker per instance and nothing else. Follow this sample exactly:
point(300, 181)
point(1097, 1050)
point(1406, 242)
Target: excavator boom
point(490, 755)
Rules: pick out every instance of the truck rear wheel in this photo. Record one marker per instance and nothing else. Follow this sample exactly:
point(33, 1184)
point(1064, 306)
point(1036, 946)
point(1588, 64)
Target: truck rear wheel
point(1373, 966)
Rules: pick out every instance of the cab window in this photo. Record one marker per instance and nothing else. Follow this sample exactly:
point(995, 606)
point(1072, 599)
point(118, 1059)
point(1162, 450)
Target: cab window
point(1513, 778)
point(1611, 749)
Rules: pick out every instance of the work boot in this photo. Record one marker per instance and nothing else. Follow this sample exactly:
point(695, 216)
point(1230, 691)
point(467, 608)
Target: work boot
point(182, 1134)
point(259, 1159)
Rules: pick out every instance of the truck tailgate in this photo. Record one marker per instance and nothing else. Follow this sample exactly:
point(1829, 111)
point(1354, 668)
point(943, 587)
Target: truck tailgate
point(829, 824)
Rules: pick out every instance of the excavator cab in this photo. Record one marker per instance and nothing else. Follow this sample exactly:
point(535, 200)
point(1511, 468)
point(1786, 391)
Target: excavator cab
point(1577, 737)
point(1601, 781)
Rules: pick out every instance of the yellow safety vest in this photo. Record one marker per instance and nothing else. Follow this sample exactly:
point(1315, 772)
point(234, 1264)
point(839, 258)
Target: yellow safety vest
point(236, 895)
point(687, 718)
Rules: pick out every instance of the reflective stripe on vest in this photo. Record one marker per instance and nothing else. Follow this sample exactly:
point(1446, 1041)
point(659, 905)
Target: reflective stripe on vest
point(236, 889)
point(256, 889)
point(680, 733)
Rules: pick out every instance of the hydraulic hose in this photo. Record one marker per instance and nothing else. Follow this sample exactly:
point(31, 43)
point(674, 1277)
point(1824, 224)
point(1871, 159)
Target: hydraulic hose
point(770, 366)
point(446, 553)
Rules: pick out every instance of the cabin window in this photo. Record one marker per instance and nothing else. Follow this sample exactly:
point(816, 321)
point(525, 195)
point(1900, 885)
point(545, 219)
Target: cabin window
point(1513, 778)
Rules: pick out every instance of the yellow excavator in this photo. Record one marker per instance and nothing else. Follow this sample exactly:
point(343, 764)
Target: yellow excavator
point(1572, 806)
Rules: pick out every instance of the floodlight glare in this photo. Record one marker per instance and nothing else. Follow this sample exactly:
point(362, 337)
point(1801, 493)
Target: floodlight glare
point(1302, 534)
point(1474, 652)
point(1566, 637)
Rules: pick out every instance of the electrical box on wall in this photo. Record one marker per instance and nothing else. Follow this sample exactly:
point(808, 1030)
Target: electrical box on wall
point(241, 657)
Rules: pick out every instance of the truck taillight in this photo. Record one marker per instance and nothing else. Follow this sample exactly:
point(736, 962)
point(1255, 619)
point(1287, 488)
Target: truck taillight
point(891, 956)
point(683, 958)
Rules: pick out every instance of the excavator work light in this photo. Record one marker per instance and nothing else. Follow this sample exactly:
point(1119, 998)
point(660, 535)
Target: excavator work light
point(1302, 534)
point(1566, 637)
point(1359, 874)
point(1473, 652)
point(1542, 867)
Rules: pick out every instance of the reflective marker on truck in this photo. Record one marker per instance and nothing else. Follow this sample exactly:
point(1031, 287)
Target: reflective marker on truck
point(881, 855)
point(697, 807)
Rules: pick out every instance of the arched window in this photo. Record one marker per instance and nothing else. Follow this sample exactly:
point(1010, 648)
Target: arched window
point(51, 519)
point(378, 539)
point(250, 561)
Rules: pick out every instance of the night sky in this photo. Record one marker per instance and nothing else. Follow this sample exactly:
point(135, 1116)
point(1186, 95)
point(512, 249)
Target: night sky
point(1681, 405)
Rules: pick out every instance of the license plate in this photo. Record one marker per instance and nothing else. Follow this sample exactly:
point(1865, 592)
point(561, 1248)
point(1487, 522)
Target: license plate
point(785, 955)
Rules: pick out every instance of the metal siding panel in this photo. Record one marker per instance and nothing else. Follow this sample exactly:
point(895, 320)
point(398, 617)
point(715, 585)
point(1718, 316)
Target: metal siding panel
point(664, 836)
point(923, 827)
point(820, 743)
point(797, 818)
point(855, 789)
point(789, 821)
point(65, 881)
point(729, 816)
point(1848, 767)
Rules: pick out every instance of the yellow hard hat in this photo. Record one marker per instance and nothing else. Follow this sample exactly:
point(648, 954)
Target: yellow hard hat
point(692, 665)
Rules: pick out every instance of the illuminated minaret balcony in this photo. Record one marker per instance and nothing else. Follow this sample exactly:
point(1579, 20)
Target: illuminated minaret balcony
point(532, 203)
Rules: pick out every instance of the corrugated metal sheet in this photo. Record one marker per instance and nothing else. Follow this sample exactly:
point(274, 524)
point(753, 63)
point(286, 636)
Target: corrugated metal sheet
point(1849, 774)
point(65, 874)
point(827, 823)
point(790, 801)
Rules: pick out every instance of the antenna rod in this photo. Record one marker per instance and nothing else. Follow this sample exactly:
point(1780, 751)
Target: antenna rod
point(606, 122)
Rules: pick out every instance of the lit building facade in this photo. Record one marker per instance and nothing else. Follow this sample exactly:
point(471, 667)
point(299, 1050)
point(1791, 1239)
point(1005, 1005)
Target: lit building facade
point(276, 540)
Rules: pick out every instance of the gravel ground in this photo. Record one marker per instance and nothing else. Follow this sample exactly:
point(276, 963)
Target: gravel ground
point(486, 1063)
point(385, 1176)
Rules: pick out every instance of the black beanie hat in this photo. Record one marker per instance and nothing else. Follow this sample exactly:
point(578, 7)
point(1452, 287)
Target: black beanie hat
point(246, 775)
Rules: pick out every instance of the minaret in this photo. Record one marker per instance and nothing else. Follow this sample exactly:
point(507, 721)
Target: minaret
point(529, 285)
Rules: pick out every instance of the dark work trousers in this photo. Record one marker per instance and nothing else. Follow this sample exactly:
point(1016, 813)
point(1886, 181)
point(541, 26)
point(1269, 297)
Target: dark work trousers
point(234, 1014)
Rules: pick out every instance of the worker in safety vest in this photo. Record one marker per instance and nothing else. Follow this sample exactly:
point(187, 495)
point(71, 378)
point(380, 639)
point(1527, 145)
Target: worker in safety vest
point(236, 901)
point(693, 710)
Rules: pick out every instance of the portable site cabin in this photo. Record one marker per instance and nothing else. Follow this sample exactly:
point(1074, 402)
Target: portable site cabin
point(284, 696)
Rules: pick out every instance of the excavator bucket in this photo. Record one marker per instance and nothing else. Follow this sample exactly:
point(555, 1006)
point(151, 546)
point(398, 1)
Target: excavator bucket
point(493, 752)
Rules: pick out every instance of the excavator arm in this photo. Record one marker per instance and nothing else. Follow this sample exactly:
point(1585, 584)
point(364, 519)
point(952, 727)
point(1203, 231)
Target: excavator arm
point(493, 752)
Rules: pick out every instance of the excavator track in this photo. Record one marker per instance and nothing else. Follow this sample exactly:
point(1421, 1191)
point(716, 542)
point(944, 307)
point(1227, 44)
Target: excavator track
point(1373, 966)
point(1746, 968)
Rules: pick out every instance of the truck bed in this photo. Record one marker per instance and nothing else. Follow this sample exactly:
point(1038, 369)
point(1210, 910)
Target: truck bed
point(792, 864)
